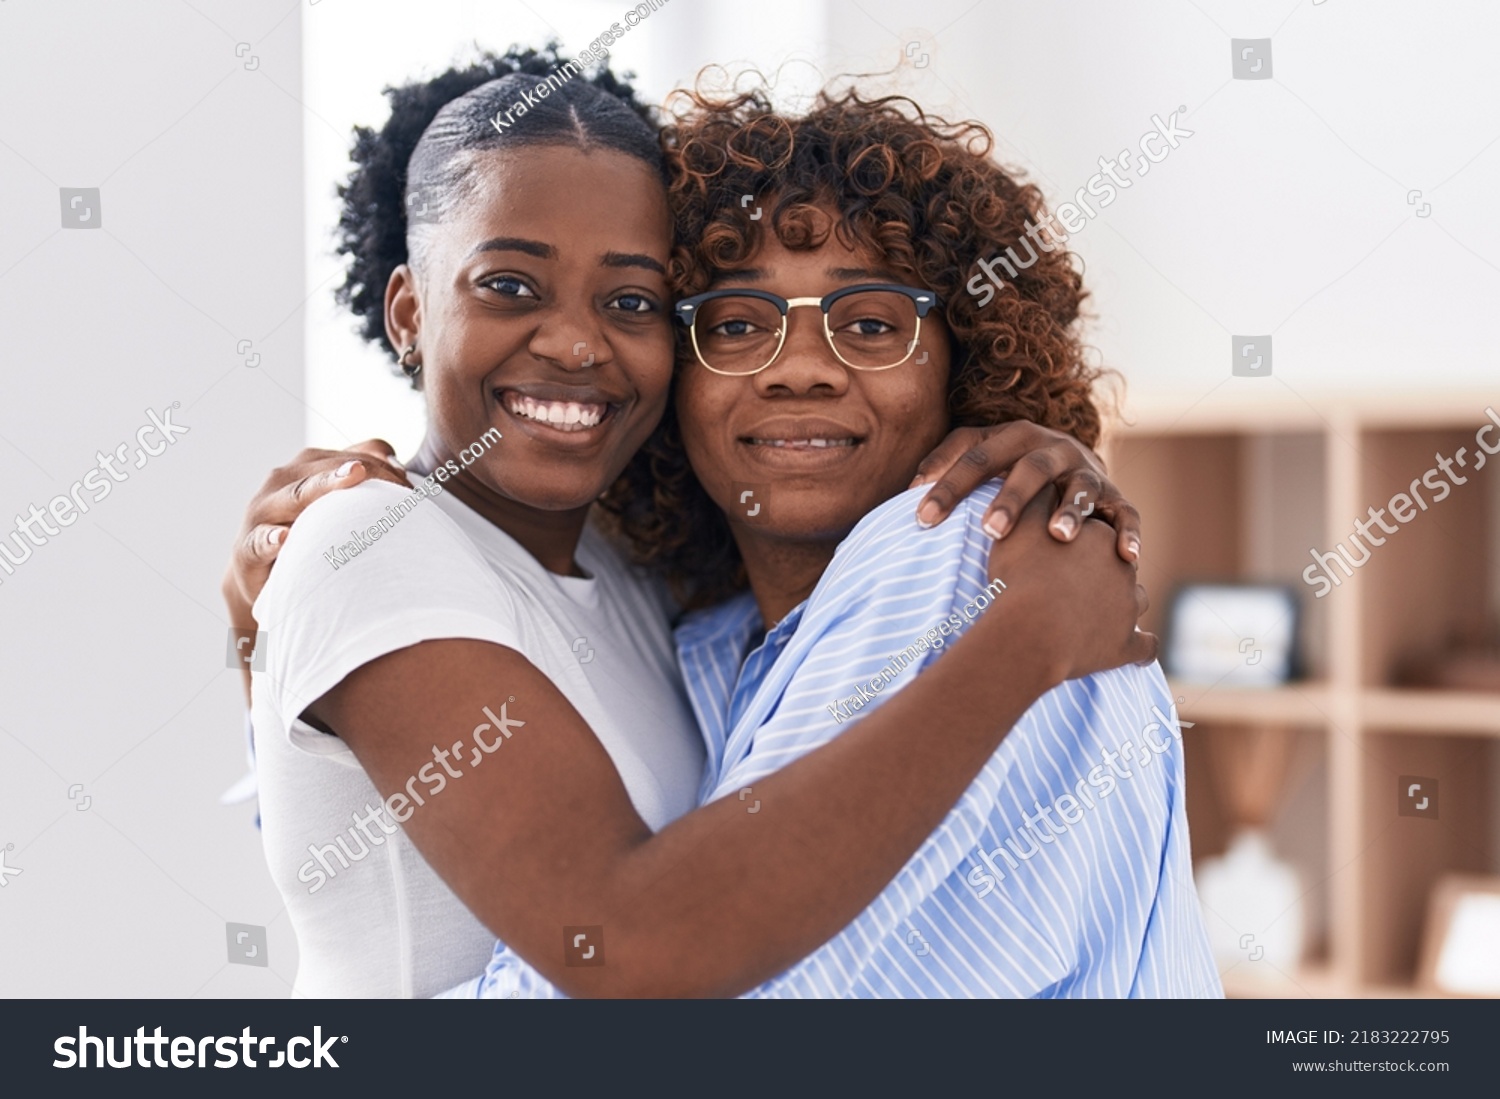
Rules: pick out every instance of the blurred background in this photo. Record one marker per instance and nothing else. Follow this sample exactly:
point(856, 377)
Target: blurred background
point(1296, 295)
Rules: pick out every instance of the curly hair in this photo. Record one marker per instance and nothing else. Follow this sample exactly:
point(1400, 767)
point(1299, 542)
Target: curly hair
point(917, 192)
point(435, 122)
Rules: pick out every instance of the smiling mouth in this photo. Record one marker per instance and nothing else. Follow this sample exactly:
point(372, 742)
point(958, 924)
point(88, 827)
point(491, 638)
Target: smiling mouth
point(803, 444)
point(559, 415)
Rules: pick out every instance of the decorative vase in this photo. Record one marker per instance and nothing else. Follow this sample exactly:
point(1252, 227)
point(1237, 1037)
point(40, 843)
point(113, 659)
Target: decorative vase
point(1252, 907)
point(1252, 900)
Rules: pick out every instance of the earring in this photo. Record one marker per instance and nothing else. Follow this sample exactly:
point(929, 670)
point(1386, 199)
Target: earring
point(409, 368)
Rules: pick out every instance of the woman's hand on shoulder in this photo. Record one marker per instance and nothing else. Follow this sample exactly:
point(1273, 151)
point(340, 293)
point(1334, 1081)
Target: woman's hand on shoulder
point(287, 493)
point(1031, 458)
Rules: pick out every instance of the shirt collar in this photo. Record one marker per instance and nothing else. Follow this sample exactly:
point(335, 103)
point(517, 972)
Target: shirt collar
point(721, 669)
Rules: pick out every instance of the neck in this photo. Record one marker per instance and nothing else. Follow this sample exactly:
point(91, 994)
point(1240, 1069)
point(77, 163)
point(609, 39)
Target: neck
point(783, 573)
point(549, 536)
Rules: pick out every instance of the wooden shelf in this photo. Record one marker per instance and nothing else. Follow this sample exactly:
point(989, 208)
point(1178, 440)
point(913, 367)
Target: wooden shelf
point(1437, 711)
point(1235, 408)
point(1251, 484)
point(1383, 709)
point(1294, 704)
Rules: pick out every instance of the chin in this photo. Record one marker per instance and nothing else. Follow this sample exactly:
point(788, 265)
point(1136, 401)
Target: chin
point(544, 495)
point(551, 482)
point(800, 518)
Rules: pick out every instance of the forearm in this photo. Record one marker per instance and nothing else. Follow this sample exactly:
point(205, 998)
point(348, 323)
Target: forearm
point(546, 837)
point(726, 898)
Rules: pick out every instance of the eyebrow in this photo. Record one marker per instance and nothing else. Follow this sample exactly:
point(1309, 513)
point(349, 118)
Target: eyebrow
point(633, 259)
point(741, 274)
point(837, 274)
point(545, 251)
point(516, 244)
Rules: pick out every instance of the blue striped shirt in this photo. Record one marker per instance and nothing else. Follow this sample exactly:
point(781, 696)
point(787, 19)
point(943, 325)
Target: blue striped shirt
point(1064, 869)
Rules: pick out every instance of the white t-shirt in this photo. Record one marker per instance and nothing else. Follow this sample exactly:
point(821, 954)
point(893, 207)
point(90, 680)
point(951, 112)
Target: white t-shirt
point(371, 917)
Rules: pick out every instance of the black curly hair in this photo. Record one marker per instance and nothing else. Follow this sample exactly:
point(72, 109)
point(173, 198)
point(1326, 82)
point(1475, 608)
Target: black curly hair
point(425, 151)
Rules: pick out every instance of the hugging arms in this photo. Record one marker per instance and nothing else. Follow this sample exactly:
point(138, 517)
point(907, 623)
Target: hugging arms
point(568, 827)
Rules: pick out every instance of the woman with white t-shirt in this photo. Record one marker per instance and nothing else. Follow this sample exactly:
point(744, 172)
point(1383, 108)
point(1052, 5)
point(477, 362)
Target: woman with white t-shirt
point(412, 636)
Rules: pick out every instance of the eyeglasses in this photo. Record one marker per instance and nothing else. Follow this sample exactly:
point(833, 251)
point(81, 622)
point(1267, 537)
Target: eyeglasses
point(873, 326)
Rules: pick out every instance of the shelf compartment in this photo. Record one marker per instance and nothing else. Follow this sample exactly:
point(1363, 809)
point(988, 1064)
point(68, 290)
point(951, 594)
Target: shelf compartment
point(1403, 856)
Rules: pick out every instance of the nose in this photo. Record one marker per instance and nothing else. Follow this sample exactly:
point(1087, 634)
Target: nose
point(806, 365)
point(570, 338)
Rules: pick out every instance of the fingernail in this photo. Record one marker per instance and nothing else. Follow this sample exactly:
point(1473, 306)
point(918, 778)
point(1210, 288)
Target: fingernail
point(1134, 546)
point(345, 469)
point(928, 513)
point(996, 525)
point(915, 481)
point(276, 536)
point(1065, 525)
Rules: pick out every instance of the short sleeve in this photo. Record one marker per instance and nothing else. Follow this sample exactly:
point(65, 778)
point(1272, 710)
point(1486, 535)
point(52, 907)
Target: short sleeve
point(364, 572)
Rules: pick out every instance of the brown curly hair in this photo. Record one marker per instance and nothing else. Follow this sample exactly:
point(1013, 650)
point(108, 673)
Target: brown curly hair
point(917, 192)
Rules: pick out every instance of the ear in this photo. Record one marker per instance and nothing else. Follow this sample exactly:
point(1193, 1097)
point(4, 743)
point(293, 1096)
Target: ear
point(403, 308)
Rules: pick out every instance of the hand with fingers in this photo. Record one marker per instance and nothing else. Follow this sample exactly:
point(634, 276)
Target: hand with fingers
point(1030, 457)
point(285, 495)
point(1079, 606)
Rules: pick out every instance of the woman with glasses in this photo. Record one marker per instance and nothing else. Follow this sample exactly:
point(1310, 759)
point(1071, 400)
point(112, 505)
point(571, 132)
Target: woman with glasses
point(411, 639)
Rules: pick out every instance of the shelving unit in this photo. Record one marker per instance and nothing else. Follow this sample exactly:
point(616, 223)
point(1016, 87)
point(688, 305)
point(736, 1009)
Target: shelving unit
point(1242, 486)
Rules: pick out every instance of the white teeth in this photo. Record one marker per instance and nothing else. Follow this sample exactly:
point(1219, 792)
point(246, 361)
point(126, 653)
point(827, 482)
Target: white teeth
point(566, 415)
point(803, 443)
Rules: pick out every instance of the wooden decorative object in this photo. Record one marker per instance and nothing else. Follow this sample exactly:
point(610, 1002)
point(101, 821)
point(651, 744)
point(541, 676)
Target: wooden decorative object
point(1251, 768)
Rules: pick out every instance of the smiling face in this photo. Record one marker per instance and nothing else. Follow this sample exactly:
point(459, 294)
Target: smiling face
point(818, 443)
point(540, 308)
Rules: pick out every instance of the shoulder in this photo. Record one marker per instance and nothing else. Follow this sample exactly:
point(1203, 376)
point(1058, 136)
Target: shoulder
point(374, 536)
point(368, 571)
point(889, 546)
point(894, 584)
point(378, 511)
point(1128, 710)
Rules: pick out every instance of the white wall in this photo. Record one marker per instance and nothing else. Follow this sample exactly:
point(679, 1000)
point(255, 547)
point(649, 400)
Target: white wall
point(112, 636)
point(1286, 211)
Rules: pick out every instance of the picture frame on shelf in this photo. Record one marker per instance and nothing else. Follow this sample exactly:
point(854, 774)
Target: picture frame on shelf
point(1233, 634)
